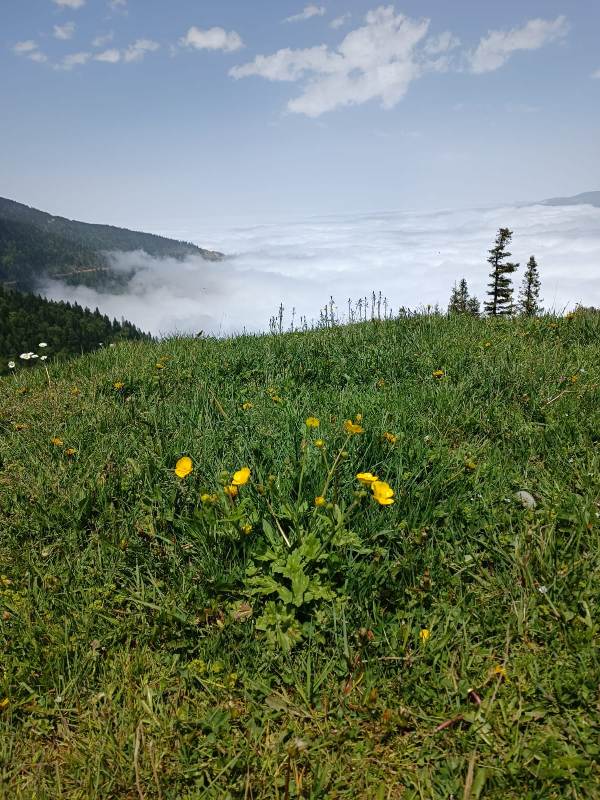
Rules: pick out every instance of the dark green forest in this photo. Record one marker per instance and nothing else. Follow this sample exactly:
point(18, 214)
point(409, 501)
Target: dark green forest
point(35, 245)
point(66, 328)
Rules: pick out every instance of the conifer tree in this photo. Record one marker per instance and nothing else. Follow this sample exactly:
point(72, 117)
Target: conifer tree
point(473, 307)
point(500, 286)
point(529, 298)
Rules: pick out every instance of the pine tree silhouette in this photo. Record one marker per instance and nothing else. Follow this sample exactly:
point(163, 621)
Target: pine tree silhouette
point(500, 286)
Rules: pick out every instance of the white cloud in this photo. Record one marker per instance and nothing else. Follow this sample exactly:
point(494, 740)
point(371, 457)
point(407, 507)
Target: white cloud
point(596, 74)
point(65, 31)
point(310, 11)
point(378, 61)
point(117, 4)
point(101, 41)
point(111, 56)
point(414, 258)
point(38, 57)
point(212, 39)
point(137, 50)
point(339, 22)
point(443, 43)
point(22, 48)
point(74, 60)
point(70, 3)
point(496, 48)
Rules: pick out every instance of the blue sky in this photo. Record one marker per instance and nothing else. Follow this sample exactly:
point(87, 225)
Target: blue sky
point(152, 112)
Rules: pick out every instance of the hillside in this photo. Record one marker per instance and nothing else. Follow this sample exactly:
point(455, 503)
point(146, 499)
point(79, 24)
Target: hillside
point(66, 328)
point(267, 625)
point(34, 244)
point(585, 198)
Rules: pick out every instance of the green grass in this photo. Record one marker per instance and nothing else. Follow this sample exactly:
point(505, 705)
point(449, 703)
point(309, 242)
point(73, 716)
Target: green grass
point(153, 649)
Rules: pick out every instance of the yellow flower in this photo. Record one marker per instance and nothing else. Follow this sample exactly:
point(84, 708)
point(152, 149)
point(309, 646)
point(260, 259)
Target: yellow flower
point(367, 478)
point(119, 385)
point(358, 418)
point(320, 501)
point(382, 492)
point(70, 451)
point(424, 634)
point(390, 437)
point(247, 528)
point(487, 344)
point(231, 491)
point(160, 365)
point(438, 373)
point(470, 465)
point(319, 443)
point(312, 422)
point(57, 442)
point(75, 391)
point(4, 703)
point(183, 467)
point(275, 398)
point(351, 428)
point(247, 406)
point(500, 671)
point(207, 499)
point(20, 426)
point(241, 477)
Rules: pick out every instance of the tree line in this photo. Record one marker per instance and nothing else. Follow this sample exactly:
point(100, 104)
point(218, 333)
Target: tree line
point(500, 292)
point(66, 329)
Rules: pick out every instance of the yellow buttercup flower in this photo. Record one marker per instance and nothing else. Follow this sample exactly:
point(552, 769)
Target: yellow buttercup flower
point(57, 442)
point(247, 406)
point(352, 428)
point(119, 385)
point(320, 501)
point(70, 451)
point(312, 422)
point(241, 477)
point(231, 490)
point(247, 528)
point(367, 478)
point(207, 499)
point(319, 443)
point(390, 437)
point(424, 634)
point(438, 373)
point(183, 467)
point(75, 391)
point(382, 492)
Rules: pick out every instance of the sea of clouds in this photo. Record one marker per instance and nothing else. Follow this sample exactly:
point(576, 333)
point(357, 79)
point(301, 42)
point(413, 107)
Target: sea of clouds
point(412, 258)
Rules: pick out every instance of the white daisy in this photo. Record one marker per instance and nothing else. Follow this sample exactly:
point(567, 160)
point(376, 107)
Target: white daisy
point(11, 365)
point(25, 356)
point(43, 358)
point(43, 344)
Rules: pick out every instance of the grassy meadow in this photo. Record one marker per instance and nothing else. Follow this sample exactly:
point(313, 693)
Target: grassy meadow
point(289, 632)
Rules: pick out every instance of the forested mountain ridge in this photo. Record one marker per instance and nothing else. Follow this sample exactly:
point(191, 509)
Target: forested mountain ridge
point(64, 328)
point(34, 245)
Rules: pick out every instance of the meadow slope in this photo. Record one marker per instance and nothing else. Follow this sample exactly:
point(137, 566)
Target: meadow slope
point(174, 637)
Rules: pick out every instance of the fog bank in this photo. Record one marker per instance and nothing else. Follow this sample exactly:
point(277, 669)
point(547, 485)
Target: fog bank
point(413, 258)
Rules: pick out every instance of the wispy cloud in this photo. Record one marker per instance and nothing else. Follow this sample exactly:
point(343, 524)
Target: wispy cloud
point(74, 60)
point(138, 50)
point(102, 40)
point(75, 4)
point(212, 39)
point(29, 49)
point(307, 13)
point(111, 56)
point(65, 31)
point(377, 61)
point(117, 5)
point(497, 47)
point(340, 21)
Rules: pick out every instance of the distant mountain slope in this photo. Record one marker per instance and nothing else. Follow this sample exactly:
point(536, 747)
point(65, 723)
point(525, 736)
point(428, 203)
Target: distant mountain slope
point(34, 244)
point(585, 198)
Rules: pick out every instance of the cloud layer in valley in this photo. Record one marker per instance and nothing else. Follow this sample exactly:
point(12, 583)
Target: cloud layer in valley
point(412, 258)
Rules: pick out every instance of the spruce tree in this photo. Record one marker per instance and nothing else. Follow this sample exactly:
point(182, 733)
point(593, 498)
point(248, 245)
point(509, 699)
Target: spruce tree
point(459, 299)
point(500, 286)
point(473, 307)
point(529, 299)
